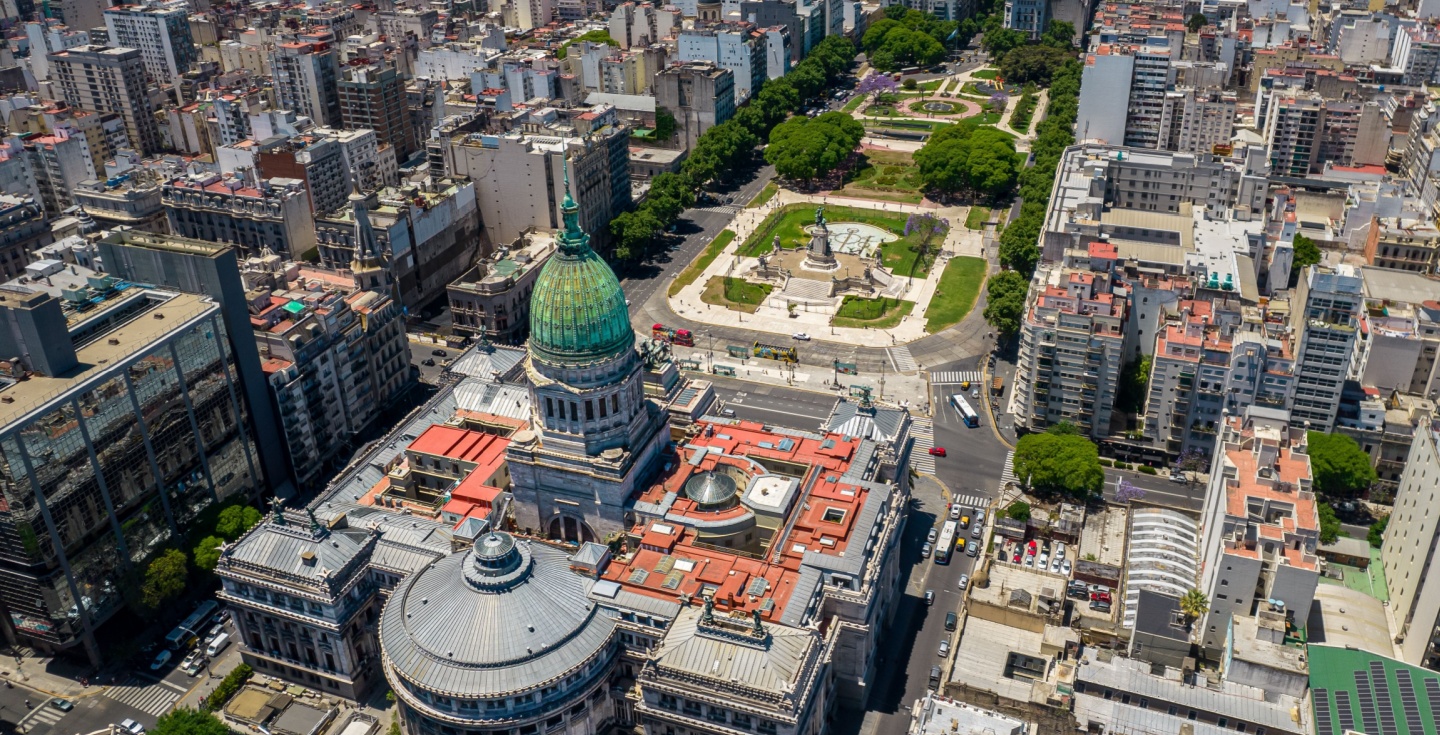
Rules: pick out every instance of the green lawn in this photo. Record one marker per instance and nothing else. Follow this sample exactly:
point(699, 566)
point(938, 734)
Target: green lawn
point(955, 295)
point(891, 175)
point(859, 312)
point(976, 218)
point(855, 102)
point(707, 256)
point(931, 85)
point(789, 224)
point(735, 293)
point(986, 74)
point(764, 196)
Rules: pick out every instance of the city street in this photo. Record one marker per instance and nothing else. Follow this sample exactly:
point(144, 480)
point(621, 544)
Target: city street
point(773, 404)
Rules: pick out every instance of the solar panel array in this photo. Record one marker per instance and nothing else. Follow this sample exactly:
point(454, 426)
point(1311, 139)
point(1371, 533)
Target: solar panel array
point(1408, 702)
point(1368, 720)
point(1383, 703)
point(1432, 693)
point(1342, 708)
point(1323, 725)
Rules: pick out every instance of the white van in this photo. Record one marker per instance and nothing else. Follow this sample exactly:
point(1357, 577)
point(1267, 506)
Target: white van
point(218, 645)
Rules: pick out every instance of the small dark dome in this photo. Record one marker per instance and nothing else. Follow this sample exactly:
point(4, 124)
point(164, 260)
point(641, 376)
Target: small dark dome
point(711, 490)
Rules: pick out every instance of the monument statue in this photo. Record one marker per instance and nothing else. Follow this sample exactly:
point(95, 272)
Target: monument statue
point(817, 254)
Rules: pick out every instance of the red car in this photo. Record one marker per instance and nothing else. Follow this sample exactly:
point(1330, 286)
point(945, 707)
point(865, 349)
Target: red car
point(937, 451)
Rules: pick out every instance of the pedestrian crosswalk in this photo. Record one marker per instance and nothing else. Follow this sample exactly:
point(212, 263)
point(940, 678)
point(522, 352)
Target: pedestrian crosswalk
point(156, 698)
point(956, 376)
point(924, 433)
point(901, 358)
point(43, 717)
point(1007, 475)
point(721, 208)
point(972, 501)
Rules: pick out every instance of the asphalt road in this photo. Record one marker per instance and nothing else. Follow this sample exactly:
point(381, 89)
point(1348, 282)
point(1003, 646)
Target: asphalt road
point(773, 404)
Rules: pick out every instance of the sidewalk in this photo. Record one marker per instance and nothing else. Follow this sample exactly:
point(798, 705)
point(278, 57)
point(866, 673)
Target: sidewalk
point(49, 676)
point(898, 388)
point(958, 241)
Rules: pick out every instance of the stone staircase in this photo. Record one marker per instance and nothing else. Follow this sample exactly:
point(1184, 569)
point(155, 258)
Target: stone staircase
point(804, 289)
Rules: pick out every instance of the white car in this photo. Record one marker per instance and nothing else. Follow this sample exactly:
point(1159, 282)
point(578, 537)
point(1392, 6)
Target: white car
point(954, 511)
point(1059, 550)
point(1044, 560)
point(133, 727)
point(1065, 567)
point(161, 659)
point(1029, 560)
point(803, 337)
point(930, 537)
point(1055, 564)
point(964, 581)
point(944, 648)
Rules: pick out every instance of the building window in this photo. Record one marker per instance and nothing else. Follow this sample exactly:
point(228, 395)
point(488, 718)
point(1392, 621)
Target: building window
point(549, 407)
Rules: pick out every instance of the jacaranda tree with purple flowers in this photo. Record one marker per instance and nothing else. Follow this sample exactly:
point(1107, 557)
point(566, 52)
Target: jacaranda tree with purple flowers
point(1128, 491)
point(926, 227)
point(878, 85)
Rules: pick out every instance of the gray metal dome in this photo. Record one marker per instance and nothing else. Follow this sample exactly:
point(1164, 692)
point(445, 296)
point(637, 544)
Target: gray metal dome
point(505, 616)
point(711, 490)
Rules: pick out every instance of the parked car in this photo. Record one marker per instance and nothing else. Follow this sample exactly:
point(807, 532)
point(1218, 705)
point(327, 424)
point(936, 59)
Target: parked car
point(1055, 564)
point(1059, 550)
point(972, 549)
point(64, 705)
point(930, 537)
point(1065, 567)
point(980, 517)
point(1043, 561)
point(161, 659)
point(926, 549)
point(1178, 477)
point(934, 677)
point(964, 581)
point(1016, 559)
point(977, 530)
point(439, 353)
point(954, 511)
point(132, 726)
point(937, 451)
point(951, 621)
point(944, 648)
point(803, 337)
point(1029, 560)
point(929, 597)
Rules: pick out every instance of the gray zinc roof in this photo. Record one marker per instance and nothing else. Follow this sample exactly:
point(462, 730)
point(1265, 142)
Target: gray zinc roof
point(283, 549)
point(448, 635)
point(778, 664)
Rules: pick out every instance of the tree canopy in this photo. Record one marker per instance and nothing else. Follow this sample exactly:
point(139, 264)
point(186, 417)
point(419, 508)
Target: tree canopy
point(1307, 253)
point(186, 721)
point(236, 520)
point(807, 148)
point(1036, 64)
point(1065, 464)
point(1339, 467)
point(1329, 523)
point(965, 158)
point(906, 37)
point(207, 552)
point(1059, 34)
point(1194, 603)
point(1196, 22)
point(164, 578)
point(1002, 40)
point(1005, 301)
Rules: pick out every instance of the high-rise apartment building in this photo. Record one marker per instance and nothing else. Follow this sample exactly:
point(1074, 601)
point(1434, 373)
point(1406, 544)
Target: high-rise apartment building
point(1072, 347)
point(1408, 555)
point(106, 79)
point(160, 31)
point(59, 162)
point(1326, 310)
point(1197, 121)
point(1030, 16)
point(529, 193)
point(734, 46)
point(699, 94)
point(306, 75)
point(373, 97)
point(335, 357)
point(23, 230)
point(1123, 95)
point(122, 419)
point(1260, 524)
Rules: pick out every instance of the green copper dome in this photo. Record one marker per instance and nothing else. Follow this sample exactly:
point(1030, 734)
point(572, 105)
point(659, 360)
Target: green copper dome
point(577, 311)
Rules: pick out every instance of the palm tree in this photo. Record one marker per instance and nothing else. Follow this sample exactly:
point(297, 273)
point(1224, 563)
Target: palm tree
point(1194, 604)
